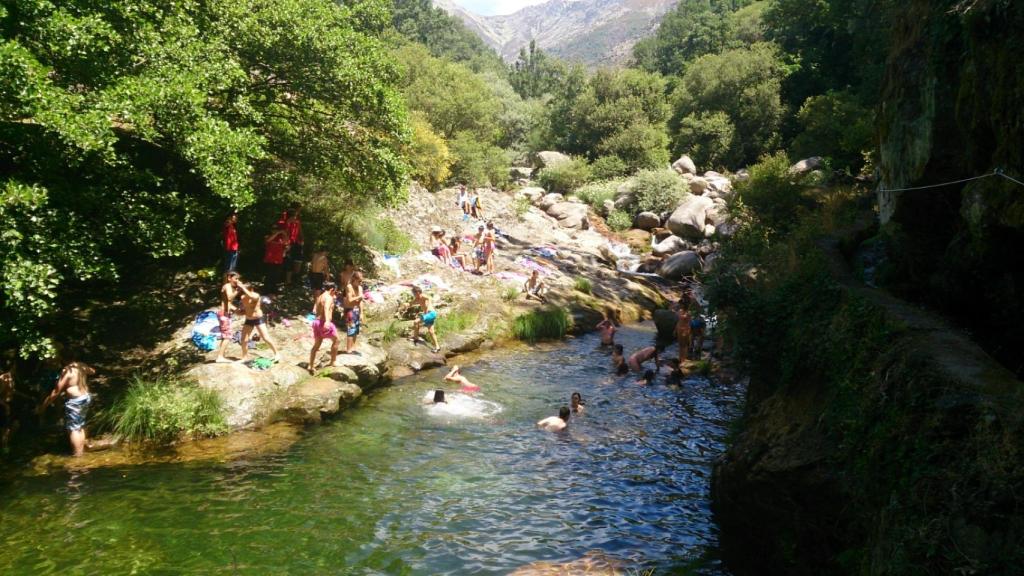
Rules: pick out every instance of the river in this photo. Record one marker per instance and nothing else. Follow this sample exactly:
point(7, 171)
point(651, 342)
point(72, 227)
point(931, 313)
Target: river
point(389, 488)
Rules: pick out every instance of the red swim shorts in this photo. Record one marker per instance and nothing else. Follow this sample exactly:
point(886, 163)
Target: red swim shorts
point(322, 331)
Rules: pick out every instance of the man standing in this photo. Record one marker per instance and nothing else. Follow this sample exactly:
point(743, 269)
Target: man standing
point(74, 383)
point(426, 318)
point(319, 270)
point(295, 243)
point(273, 257)
point(323, 327)
point(353, 303)
point(228, 291)
point(254, 320)
point(231, 242)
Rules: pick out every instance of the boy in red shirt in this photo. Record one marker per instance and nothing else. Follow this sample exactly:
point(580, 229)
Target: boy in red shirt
point(273, 257)
point(231, 242)
point(295, 241)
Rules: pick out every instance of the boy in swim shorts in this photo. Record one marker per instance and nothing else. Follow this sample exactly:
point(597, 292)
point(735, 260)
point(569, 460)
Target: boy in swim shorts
point(353, 303)
point(254, 321)
point(228, 291)
point(323, 327)
point(426, 318)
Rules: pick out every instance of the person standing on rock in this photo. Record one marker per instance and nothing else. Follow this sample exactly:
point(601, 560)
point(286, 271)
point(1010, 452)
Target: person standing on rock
point(323, 327)
point(345, 276)
point(352, 302)
point(489, 246)
point(73, 383)
point(228, 292)
point(254, 321)
point(273, 256)
point(426, 318)
point(293, 225)
point(475, 208)
point(231, 242)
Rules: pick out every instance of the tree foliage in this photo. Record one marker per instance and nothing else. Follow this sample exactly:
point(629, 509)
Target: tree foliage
point(445, 36)
point(123, 122)
point(535, 74)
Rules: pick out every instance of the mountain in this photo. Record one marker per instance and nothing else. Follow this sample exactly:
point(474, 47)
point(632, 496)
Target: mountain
point(596, 32)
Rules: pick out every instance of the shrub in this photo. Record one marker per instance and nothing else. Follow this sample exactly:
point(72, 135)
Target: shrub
point(381, 233)
point(608, 168)
point(619, 220)
point(583, 285)
point(565, 177)
point(510, 294)
point(521, 207)
point(639, 145)
point(452, 322)
point(771, 193)
point(708, 137)
point(163, 411)
point(550, 323)
point(478, 163)
point(657, 190)
point(428, 154)
point(835, 126)
point(596, 193)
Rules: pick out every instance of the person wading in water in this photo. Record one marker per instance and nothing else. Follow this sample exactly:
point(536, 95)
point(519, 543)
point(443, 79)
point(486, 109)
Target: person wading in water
point(73, 383)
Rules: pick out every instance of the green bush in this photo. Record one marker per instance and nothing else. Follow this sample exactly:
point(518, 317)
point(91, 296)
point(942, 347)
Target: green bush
point(596, 193)
point(608, 168)
point(163, 411)
point(708, 137)
point(453, 322)
point(640, 145)
point(565, 177)
point(835, 125)
point(521, 207)
point(550, 323)
point(478, 163)
point(657, 190)
point(583, 285)
point(384, 235)
point(771, 193)
point(391, 332)
point(619, 220)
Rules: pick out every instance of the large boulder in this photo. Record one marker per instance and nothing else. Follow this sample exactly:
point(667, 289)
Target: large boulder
point(244, 393)
point(520, 172)
point(670, 246)
point(308, 401)
point(665, 321)
point(689, 218)
point(531, 193)
point(549, 200)
point(570, 215)
point(684, 165)
point(679, 264)
point(624, 195)
point(717, 214)
point(550, 158)
point(698, 185)
point(807, 165)
point(647, 220)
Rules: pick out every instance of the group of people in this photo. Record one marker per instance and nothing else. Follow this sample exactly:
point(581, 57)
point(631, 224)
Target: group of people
point(283, 248)
point(449, 252)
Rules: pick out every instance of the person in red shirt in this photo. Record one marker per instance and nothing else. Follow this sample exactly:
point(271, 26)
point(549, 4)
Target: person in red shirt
point(295, 243)
point(273, 257)
point(231, 242)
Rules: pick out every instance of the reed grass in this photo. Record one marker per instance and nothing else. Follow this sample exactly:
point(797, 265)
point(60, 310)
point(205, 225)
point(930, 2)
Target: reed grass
point(551, 323)
point(163, 410)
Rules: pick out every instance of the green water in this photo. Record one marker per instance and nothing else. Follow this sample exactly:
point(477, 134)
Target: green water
point(388, 488)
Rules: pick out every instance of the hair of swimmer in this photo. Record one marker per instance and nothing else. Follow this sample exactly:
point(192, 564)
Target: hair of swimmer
point(622, 369)
point(563, 413)
point(576, 397)
point(618, 348)
point(438, 396)
point(649, 376)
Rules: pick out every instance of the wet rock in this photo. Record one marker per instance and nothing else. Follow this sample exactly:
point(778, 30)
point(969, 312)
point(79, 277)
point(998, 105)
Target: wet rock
point(684, 165)
point(308, 401)
point(689, 218)
point(647, 220)
point(670, 246)
point(570, 215)
point(550, 158)
point(679, 264)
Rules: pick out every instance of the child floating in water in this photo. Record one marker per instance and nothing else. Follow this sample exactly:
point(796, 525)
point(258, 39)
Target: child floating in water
point(455, 375)
point(556, 423)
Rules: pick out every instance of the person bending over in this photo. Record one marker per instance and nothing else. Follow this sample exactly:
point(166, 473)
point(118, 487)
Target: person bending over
point(455, 375)
point(636, 361)
point(556, 423)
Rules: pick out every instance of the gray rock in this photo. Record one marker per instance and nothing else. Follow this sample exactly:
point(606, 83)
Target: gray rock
point(665, 322)
point(684, 165)
point(520, 172)
point(608, 207)
point(717, 214)
point(807, 165)
point(742, 176)
point(709, 230)
point(726, 230)
point(647, 220)
point(720, 186)
point(679, 264)
point(549, 200)
point(308, 401)
point(698, 186)
point(689, 218)
point(669, 246)
point(570, 215)
point(549, 158)
point(532, 193)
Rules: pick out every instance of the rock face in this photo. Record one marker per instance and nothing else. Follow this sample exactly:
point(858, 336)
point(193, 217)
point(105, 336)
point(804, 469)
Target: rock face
point(647, 220)
point(570, 215)
point(670, 246)
point(679, 264)
point(684, 165)
point(309, 400)
point(807, 165)
point(550, 158)
point(689, 218)
point(549, 200)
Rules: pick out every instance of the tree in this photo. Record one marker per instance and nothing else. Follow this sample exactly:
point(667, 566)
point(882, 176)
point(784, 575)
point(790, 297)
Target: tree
point(125, 121)
point(445, 36)
point(535, 74)
point(690, 30)
point(428, 154)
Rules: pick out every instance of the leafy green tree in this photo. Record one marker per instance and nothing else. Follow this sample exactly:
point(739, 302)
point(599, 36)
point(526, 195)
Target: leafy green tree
point(535, 74)
point(445, 36)
point(124, 123)
point(745, 85)
point(428, 153)
point(478, 163)
point(836, 126)
point(565, 177)
point(690, 30)
point(775, 196)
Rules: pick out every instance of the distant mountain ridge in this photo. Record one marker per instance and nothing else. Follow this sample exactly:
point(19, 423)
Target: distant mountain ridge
point(596, 32)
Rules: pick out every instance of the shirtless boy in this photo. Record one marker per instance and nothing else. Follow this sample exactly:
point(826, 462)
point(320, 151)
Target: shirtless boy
point(426, 318)
point(607, 327)
point(636, 361)
point(323, 327)
point(319, 270)
point(455, 375)
point(534, 287)
point(74, 383)
point(353, 313)
point(556, 423)
point(254, 320)
point(228, 292)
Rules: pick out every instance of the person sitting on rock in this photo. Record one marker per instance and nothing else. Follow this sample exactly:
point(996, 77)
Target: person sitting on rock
point(426, 317)
point(556, 423)
point(637, 359)
point(438, 247)
point(254, 321)
point(458, 259)
point(323, 326)
point(455, 375)
point(535, 288)
point(476, 209)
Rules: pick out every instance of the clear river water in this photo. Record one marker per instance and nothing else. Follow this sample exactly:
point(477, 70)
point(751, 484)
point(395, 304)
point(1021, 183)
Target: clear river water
point(391, 487)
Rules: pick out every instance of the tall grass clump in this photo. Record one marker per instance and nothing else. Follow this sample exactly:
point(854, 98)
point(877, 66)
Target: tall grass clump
point(453, 321)
point(510, 294)
point(583, 285)
point(550, 323)
point(162, 411)
point(391, 332)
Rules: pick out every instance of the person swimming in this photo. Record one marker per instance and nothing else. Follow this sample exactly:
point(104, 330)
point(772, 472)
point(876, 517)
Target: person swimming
point(440, 403)
point(556, 423)
point(618, 358)
point(455, 375)
point(436, 397)
point(576, 403)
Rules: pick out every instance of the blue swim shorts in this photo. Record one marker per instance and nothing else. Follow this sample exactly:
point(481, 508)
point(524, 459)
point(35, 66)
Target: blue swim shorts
point(429, 318)
point(75, 411)
point(352, 321)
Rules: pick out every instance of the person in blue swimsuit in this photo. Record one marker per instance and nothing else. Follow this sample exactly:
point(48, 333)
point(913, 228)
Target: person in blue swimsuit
point(426, 318)
point(73, 383)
